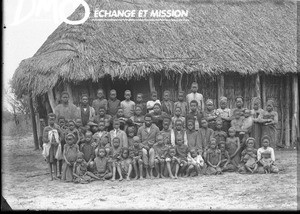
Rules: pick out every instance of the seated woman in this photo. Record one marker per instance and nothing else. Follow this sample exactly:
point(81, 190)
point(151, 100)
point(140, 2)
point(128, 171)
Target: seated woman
point(266, 157)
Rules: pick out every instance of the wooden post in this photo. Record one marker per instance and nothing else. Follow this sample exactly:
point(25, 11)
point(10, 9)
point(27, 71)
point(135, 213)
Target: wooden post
point(295, 119)
point(34, 128)
point(263, 92)
point(220, 82)
point(287, 112)
point(38, 125)
point(69, 90)
point(51, 99)
point(151, 83)
point(57, 96)
point(179, 82)
point(257, 85)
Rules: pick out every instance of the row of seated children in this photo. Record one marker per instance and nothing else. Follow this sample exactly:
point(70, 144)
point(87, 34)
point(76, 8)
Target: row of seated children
point(106, 155)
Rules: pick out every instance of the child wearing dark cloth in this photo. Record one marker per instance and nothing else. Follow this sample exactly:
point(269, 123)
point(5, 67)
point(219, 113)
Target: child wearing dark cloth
point(88, 150)
point(102, 166)
point(161, 151)
point(182, 151)
point(226, 165)
point(116, 158)
point(141, 103)
point(113, 103)
point(52, 151)
point(166, 104)
point(178, 116)
point(172, 163)
point(233, 148)
point(101, 116)
point(204, 136)
point(71, 150)
point(100, 101)
point(62, 124)
point(123, 120)
point(138, 118)
point(219, 134)
point(80, 173)
point(81, 129)
point(93, 127)
point(213, 159)
point(136, 154)
point(249, 157)
point(195, 113)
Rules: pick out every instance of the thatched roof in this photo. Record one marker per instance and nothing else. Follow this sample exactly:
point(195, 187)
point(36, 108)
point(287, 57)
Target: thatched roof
point(244, 36)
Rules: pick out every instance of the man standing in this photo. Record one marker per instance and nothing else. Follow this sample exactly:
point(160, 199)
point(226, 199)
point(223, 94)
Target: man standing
point(68, 110)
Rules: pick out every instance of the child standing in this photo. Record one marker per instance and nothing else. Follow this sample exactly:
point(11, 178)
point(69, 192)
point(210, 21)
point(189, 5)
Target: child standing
point(166, 131)
point(233, 148)
point(195, 163)
point(181, 104)
point(102, 167)
point(51, 144)
point(116, 157)
point(178, 131)
point(172, 163)
point(256, 128)
point(141, 103)
point(63, 128)
point(194, 95)
point(150, 104)
point(71, 150)
point(125, 165)
point(224, 113)
point(136, 155)
point(138, 118)
point(167, 105)
point(211, 114)
point(204, 136)
point(178, 116)
point(80, 173)
point(195, 113)
point(113, 103)
point(117, 132)
point(192, 137)
point(161, 151)
point(219, 134)
point(213, 159)
point(87, 113)
point(100, 101)
point(266, 157)
point(128, 105)
point(88, 150)
point(182, 151)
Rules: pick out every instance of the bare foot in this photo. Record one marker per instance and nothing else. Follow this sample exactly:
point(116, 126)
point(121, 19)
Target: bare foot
point(141, 178)
point(162, 176)
point(135, 178)
point(128, 179)
point(147, 177)
point(51, 179)
point(172, 177)
point(113, 179)
point(55, 178)
point(185, 176)
point(121, 179)
point(151, 177)
point(176, 177)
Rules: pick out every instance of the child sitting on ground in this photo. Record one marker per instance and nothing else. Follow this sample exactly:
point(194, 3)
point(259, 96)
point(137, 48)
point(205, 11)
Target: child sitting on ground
point(225, 165)
point(80, 172)
point(249, 155)
point(136, 155)
point(195, 163)
point(161, 151)
point(88, 150)
point(182, 151)
point(213, 159)
point(71, 150)
point(102, 167)
point(266, 157)
point(172, 163)
point(178, 116)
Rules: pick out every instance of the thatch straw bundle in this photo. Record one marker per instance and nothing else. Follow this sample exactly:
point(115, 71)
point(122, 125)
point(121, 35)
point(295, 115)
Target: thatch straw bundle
point(233, 35)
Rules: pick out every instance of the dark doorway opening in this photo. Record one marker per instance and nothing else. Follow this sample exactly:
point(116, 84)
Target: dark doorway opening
point(120, 86)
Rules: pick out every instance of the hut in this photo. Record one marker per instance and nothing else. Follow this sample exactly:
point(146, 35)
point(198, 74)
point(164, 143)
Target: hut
point(230, 47)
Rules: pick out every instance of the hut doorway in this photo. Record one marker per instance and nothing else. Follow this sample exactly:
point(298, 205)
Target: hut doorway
point(120, 86)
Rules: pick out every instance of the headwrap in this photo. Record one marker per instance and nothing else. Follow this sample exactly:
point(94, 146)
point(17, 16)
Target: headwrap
point(70, 134)
point(223, 99)
point(157, 104)
point(209, 101)
point(256, 100)
point(266, 137)
point(270, 103)
point(136, 138)
point(250, 138)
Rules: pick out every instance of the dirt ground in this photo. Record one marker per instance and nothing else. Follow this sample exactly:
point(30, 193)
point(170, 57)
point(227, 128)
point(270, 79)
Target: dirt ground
point(26, 186)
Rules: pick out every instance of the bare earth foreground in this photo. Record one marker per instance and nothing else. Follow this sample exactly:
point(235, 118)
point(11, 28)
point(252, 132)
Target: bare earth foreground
point(26, 185)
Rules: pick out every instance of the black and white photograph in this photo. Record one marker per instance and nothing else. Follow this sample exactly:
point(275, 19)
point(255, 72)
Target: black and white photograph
point(150, 105)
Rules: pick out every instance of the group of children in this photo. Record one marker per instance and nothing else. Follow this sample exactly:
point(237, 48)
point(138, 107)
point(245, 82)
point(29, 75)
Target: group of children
point(125, 140)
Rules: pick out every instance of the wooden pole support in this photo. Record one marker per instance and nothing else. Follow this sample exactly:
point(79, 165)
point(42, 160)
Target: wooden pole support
point(220, 82)
point(287, 112)
point(295, 119)
point(257, 86)
point(151, 83)
point(34, 127)
point(263, 92)
point(69, 90)
point(179, 82)
point(51, 99)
